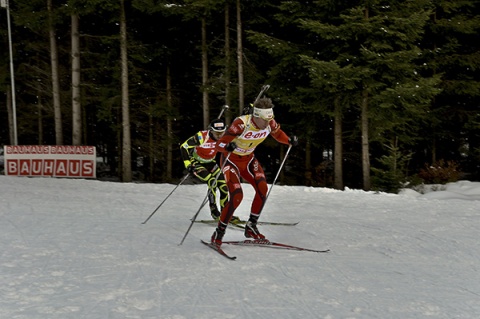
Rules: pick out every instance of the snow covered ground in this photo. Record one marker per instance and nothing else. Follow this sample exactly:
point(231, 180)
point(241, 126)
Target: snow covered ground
point(78, 249)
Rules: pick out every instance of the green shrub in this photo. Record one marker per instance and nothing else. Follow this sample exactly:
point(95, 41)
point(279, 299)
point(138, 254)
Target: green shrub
point(390, 177)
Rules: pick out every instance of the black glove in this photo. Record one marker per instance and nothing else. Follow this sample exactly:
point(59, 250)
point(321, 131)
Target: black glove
point(191, 168)
point(248, 109)
point(293, 140)
point(231, 146)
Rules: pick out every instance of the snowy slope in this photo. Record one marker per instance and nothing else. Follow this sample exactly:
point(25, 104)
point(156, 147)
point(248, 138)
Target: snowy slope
point(77, 249)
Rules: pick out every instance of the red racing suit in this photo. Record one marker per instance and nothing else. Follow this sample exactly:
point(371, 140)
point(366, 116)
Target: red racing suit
point(242, 163)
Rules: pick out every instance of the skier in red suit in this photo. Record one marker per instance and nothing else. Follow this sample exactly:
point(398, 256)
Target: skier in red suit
point(239, 141)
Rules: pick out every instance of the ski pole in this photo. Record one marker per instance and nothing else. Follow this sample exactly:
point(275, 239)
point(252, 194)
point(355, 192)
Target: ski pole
point(225, 107)
point(186, 176)
point(193, 219)
point(205, 200)
point(262, 91)
point(278, 173)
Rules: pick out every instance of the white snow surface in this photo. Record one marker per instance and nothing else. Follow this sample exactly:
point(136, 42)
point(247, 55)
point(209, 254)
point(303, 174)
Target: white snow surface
point(74, 248)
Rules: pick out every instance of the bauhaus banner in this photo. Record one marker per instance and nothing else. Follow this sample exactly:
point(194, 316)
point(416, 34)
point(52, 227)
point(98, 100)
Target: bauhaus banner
point(50, 160)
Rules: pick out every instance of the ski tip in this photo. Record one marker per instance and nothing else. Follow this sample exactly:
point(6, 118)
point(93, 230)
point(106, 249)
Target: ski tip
point(218, 249)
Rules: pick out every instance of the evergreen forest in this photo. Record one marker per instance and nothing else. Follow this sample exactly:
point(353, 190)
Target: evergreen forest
point(381, 94)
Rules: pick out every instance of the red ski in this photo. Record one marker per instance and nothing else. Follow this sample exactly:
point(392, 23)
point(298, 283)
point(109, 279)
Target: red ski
point(271, 244)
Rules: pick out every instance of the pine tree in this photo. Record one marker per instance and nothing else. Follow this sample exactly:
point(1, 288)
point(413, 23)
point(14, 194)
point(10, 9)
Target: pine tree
point(376, 67)
point(452, 50)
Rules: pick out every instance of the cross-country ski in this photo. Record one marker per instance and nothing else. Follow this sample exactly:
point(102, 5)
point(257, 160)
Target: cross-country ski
point(243, 222)
point(218, 249)
point(271, 244)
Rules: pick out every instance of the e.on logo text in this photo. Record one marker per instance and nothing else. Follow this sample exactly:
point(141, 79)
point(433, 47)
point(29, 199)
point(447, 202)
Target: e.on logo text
point(255, 135)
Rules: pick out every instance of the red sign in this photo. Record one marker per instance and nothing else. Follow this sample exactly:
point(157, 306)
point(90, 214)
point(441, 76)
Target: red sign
point(47, 160)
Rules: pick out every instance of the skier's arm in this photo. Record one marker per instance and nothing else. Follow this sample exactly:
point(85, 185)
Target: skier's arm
point(278, 134)
point(187, 148)
point(234, 130)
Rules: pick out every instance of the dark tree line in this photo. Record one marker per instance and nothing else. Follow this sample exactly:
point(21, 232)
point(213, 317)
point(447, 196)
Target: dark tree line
point(377, 91)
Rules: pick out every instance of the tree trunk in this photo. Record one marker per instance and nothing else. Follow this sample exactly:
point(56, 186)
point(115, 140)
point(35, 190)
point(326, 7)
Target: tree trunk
point(365, 139)
point(11, 128)
point(40, 118)
point(55, 77)
point(40, 108)
point(228, 117)
point(308, 162)
point(126, 140)
point(76, 105)
point(338, 145)
point(364, 129)
point(434, 150)
point(206, 108)
point(241, 94)
point(119, 134)
point(151, 145)
point(169, 127)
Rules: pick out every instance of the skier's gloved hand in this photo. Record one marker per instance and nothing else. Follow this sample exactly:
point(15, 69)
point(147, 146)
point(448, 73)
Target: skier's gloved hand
point(231, 146)
point(248, 109)
point(191, 168)
point(293, 140)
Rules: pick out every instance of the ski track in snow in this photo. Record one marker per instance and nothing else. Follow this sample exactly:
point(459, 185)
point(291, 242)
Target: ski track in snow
point(77, 249)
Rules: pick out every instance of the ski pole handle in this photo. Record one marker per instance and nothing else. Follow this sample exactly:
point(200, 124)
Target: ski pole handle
point(225, 107)
point(263, 90)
